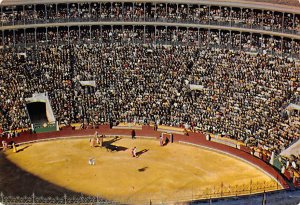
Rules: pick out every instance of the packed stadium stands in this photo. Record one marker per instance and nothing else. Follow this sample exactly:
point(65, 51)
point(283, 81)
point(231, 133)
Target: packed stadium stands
point(145, 56)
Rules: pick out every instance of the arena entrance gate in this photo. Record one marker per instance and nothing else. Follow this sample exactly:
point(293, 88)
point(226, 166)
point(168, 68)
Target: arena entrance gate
point(40, 113)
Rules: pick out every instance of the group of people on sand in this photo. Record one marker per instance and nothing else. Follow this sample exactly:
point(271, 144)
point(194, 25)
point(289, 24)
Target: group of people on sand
point(97, 140)
point(5, 146)
point(165, 140)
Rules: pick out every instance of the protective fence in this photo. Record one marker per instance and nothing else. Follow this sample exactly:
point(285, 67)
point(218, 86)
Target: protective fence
point(33, 199)
point(190, 196)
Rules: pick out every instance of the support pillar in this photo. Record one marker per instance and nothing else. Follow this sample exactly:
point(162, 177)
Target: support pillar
point(25, 38)
point(68, 35)
point(281, 46)
point(34, 8)
point(144, 37)
point(90, 33)
point(46, 35)
point(282, 25)
point(35, 38)
point(14, 36)
point(155, 28)
point(2, 43)
point(57, 34)
point(240, 41)
point(79, 34)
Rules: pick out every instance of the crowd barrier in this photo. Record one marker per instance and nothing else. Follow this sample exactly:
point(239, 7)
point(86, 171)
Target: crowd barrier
point(194, 195)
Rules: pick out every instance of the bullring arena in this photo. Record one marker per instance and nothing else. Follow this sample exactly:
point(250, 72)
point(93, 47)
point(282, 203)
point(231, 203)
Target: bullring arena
point(154, 175)
point(149, 102)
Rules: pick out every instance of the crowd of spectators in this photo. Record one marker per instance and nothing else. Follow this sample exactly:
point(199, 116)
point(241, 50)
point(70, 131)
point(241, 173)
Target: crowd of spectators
point(290, 160)
point(242, 95)
point(244, 79)
point(118, 11)
point(254, 42)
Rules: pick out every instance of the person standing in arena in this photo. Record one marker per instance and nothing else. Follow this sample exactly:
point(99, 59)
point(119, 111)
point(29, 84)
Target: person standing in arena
point(91, 142)
point(4, 145)
point(96, 134)
point(133, 134)
point(161, 140)
point(133, 152)
point(155, 126)
point(101, 140)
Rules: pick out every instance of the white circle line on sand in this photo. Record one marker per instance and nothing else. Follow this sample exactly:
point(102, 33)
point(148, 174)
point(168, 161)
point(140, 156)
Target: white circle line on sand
point(235, 156)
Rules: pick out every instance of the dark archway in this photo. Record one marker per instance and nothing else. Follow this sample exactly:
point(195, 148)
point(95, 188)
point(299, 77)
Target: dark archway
point(37, 112)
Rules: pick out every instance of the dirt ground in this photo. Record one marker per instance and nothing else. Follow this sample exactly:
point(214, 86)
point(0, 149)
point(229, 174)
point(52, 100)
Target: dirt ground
point(171, 173)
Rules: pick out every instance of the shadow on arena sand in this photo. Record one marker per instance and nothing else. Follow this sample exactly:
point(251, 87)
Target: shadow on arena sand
point(14, 181)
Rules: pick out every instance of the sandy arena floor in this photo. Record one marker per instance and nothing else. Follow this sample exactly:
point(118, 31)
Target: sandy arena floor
point(173, 172)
